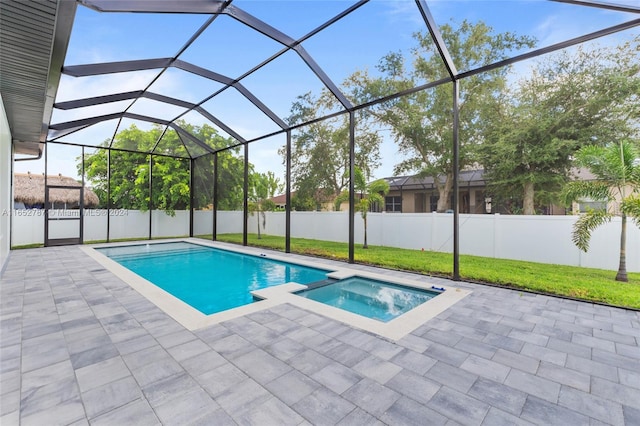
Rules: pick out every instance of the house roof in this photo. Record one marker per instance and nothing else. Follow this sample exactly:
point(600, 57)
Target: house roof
point(34, 37)
point(28, 188)
point(468, 178)
point(281, 199)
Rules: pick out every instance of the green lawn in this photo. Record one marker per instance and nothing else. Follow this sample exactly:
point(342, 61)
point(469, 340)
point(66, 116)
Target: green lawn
point(582, 283)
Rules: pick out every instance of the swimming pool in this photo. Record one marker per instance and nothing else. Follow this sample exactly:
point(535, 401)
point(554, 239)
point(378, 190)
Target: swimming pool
point(284, 289)
point(370, 298)
point(208, 279)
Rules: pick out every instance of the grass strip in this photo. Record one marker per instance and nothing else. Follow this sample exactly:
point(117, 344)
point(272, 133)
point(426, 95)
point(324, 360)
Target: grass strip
point(594, 285)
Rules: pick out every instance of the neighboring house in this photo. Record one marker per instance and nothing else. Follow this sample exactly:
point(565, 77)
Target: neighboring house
point(29, 192)
point(328, 205)
point(582, 206)
point(412, 194)
point(281, 200)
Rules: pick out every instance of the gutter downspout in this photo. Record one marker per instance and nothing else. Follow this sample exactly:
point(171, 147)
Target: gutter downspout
point(37, 157)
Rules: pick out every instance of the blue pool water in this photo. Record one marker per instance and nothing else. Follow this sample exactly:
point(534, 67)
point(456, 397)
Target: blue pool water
point(370, 298)
point(209, 279)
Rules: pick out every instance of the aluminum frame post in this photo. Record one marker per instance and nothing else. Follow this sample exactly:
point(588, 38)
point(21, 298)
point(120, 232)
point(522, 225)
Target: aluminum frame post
point(82, 201)
point(46, 198)
point(150, 193)
point(108, 193)
point(214, 231)
point(287, 224)
point(456, 186)
point(245, 210)
point(352, 206)
point(191, 197)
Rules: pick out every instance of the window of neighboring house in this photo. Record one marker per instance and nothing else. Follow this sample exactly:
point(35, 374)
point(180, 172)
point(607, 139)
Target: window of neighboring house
point(433, 203)
point(393, 204)
point(585, 206)
point(483, 204)
point(375, 207)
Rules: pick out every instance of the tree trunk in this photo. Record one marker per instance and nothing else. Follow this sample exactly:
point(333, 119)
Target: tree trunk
point(365, 246)
point(527, 202)
point(258, 216)
point(622, 268)
point(444, 191)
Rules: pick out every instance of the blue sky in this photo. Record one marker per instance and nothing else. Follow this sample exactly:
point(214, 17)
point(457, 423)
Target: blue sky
point(230, 48)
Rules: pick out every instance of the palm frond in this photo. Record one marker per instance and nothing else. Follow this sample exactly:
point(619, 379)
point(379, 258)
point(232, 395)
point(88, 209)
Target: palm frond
point(613, 163)
point(634, 174)
point(585, 225)
point(375, 197)
point(343, 197)
point(359, 181)
point(378, 186)
point(580, 189)
point(630, 206)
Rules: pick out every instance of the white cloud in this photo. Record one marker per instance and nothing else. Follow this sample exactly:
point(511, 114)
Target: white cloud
point(403, 10)
point(71, 88)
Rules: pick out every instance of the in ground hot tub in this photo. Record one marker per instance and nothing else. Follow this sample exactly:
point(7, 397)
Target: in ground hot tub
point(371, 298)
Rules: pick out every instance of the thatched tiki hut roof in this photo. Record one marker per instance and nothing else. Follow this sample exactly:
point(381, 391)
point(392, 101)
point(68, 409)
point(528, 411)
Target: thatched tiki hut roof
point(28, 188)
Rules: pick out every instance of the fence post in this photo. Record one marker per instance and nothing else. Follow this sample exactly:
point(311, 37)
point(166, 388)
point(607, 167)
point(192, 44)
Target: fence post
point(496, 234)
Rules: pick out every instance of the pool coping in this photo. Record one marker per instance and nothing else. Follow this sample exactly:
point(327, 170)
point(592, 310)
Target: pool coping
point(192, 319)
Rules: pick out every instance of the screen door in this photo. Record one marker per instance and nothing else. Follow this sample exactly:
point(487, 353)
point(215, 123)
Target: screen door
point(63, 215)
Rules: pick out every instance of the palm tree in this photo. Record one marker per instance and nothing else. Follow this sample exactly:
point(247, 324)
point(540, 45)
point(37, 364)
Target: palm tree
point(262, 187)
point(617, 170)
point(371, 193)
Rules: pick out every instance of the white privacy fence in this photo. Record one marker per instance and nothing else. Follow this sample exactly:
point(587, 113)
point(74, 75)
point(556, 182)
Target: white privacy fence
point(28, 225)
point(545, 239)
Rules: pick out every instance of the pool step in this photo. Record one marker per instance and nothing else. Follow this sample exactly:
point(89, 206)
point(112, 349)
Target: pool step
point(321, 283)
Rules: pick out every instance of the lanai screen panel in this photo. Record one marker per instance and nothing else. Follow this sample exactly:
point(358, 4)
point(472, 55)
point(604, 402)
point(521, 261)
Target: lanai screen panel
point(107, 37)
point(127, 187)
point(296, 18)
point(255, 61)
point(170, 197)
point(286, 81)
point(527, 25)
point(365, 47)
point(230, 48)
point(185, 86)
point(319, 175)
point(95, 216)
point(267, 191)
point(203, 196)
point(230, 191)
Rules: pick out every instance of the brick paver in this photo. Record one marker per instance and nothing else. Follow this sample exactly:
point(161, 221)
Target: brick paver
point(79, 346)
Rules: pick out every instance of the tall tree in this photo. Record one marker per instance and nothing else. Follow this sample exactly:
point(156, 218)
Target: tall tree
point(320, 154)
point(422, 123)
point(617, 170)
point(170, 185)
point(569, 100)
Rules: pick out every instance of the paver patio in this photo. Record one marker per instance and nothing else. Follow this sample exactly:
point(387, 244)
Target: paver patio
point(79, 346)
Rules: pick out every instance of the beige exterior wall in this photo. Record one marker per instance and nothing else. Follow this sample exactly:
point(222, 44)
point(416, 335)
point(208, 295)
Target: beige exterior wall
point(467, 201)
point(612, 207)
point(472, 201)
point(408, 202)
point(5, 186)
